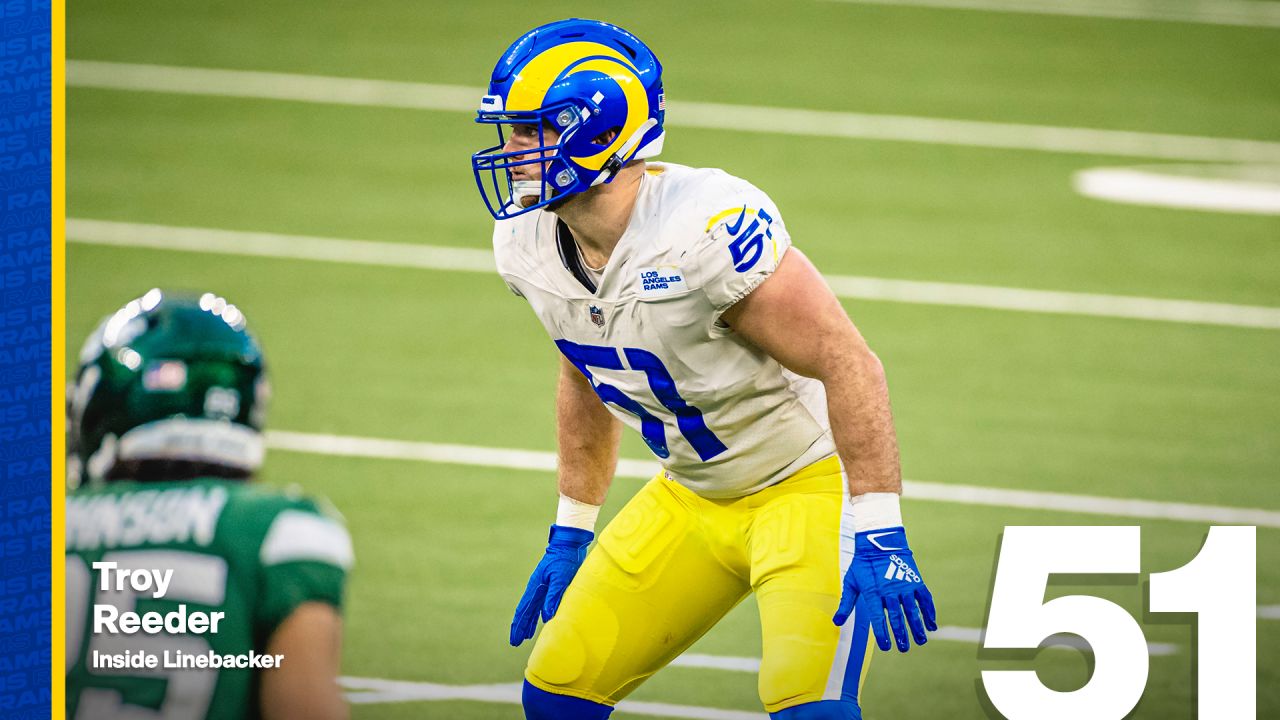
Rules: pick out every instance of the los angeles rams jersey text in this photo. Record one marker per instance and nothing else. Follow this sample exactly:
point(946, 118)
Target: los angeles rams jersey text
point(723, 418)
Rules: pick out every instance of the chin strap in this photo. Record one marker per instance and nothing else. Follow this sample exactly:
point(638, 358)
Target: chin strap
point(615, 162)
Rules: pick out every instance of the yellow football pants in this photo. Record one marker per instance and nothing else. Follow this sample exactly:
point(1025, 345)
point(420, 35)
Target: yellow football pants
point(671, 564)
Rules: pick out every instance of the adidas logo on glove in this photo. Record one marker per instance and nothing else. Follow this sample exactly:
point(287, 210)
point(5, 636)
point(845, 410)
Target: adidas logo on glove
point(899, 570)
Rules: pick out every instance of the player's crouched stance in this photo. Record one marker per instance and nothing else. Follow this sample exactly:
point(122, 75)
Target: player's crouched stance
point(680, 309)
point(190, 592)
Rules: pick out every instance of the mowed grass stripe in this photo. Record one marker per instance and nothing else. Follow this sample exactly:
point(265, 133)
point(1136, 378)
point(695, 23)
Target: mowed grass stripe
point(433, 257)
point(368, 691)
point(348, 446)
point(1244, 13)
point(717, 116)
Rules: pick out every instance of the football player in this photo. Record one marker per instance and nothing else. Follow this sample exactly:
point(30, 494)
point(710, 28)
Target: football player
point(681, 310)
point(165, 429)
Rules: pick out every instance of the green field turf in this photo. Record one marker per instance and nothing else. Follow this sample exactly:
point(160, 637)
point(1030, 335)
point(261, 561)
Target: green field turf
point(1117, 408)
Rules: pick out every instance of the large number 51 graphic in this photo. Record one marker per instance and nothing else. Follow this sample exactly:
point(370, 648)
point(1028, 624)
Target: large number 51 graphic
point(688, 418)
point(1219, 585)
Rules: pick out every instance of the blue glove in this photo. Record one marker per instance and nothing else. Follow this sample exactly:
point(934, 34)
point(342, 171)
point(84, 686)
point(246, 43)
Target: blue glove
point(566, 549)
point(883, 577)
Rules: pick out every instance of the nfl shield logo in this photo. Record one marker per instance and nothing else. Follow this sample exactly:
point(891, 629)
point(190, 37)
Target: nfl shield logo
point(597, 316)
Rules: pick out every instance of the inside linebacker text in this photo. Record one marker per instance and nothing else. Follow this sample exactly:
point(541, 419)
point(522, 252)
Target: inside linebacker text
point(174, 659)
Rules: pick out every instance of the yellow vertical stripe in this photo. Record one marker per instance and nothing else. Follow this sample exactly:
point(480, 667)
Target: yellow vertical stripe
point(58, 371)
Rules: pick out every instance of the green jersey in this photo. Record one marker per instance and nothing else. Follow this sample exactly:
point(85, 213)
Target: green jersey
point(174, 589)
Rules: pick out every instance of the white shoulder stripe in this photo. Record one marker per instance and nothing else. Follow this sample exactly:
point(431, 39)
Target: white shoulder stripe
point(302, 536)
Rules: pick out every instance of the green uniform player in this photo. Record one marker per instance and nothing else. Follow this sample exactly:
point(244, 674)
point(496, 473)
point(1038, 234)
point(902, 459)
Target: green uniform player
point(191, 593)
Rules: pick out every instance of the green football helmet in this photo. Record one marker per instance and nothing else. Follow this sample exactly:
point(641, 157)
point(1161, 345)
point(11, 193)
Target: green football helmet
point(170, 387)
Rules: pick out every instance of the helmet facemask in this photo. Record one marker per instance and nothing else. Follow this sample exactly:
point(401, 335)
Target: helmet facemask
point(502, 193)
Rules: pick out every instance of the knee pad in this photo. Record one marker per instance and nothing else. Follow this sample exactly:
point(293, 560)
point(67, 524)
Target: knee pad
point(821, 710)
point(542, 705)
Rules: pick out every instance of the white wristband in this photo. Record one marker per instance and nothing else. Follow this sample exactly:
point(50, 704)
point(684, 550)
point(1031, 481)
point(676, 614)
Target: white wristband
point(875, 511)
point(577, 514)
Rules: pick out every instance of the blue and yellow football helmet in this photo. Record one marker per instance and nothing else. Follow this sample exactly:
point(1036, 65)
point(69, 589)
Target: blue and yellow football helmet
point(575, 81)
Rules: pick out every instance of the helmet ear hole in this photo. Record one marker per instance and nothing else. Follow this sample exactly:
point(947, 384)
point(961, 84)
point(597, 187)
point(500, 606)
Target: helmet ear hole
point(606, 137)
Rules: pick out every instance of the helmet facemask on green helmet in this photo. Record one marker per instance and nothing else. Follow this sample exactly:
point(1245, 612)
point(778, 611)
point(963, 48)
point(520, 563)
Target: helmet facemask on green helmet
point(170, 387)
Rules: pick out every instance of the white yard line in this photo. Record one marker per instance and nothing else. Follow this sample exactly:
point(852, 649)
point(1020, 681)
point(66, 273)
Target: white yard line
point(293, 247)
point(1245, 13)
point(365, 691)
point(348, 446)
point(1162, 187)
point(365, 252)
point(732, 663)
point(375, 690)
point(1090, 504)
point(1055, 302)
point(1269, 612)
point(748, 118)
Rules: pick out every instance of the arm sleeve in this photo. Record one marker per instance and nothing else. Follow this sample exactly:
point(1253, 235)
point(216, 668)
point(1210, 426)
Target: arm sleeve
point(743, 243)
point(305, 557)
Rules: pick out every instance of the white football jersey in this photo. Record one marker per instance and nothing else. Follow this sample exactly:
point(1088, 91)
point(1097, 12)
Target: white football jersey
point(723, 417)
